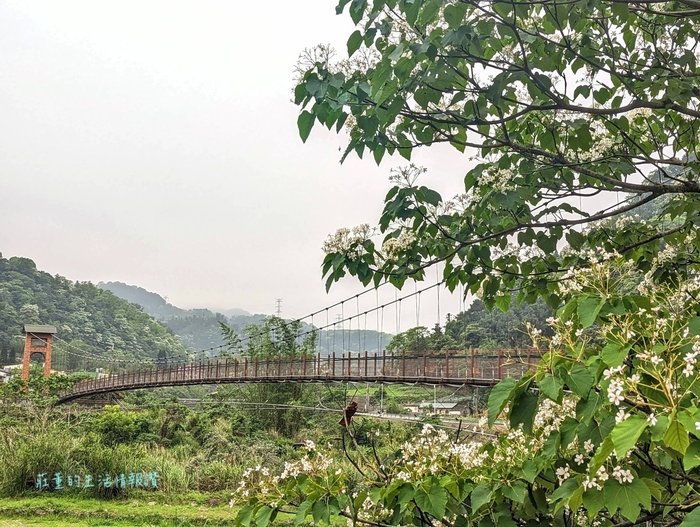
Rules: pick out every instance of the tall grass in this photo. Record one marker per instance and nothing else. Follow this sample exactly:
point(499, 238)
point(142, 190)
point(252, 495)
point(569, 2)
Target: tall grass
point(25, 453)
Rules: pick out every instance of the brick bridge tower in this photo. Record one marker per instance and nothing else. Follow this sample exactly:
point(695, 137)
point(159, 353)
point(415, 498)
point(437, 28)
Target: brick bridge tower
point(38, 343)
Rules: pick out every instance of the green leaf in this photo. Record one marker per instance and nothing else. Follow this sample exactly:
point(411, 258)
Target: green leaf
point(629, 498)
point(431, 197)
point(406, 493)
point(593, 501)
point(480, 496)
point(580, 380)
point(517, 492)
point(689, 417)
point(245, 515)
point(625, 434)
point(302, 512)
point(263, 516)
point(454, 14)
point(588, 309)
point(602, 95)
point(523, 411)
point(354, 42)
point(429, 10)
point(614, 354)
point(552, 387)
point(530, 471)
point(604, 450)
point(586, 408)
point(676, 437)
point(692, 456)
point(621, 10)
point(563, 493)
point(499, 397)
point(321, 512)
point(305, 123)
point(694, 326)
point(586, 92)
point(433, 501)
point(692, 519)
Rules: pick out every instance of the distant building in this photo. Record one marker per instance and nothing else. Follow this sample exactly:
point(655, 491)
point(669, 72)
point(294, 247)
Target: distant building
point(8, 371)
point(462, 407)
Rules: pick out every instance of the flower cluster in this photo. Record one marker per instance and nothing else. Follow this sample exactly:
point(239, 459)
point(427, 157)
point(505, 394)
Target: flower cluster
point(690, 358)
point(372, 511)
point(433, 451)
point(406, 176)
point(348, 242)
point(393, 247)
point(259, 481)
point(596, 481)
point(500, 179)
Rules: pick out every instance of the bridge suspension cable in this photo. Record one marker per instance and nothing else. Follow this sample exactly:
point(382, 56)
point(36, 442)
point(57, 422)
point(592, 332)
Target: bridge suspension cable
point(397, 300)
point(70, 349)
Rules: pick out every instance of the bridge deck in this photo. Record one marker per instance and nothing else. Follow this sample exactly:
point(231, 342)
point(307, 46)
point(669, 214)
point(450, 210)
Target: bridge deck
point(477, 369)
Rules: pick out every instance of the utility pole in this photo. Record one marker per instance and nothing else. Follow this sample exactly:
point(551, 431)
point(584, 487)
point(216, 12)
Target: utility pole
point(279, 308)
point(381, 399)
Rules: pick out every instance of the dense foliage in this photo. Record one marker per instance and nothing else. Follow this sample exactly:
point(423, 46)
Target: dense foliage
point(566, 107)
point(203, 447)
point(477, 327)
point(90, 321)
point(564, 104)
point(606, 431)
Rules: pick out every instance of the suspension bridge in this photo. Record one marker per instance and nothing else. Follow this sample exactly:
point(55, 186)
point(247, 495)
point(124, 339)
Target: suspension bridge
point(293, 364)
point(475, 368)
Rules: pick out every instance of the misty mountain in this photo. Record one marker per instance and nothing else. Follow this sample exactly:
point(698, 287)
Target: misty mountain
point(152, 303)
point(233, 312)
point(200, 328)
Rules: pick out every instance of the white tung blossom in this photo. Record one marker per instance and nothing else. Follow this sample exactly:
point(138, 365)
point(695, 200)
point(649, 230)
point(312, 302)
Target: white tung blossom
point(563, 473)
point(393, 247)
point(500, 179)
point(348, 241)
point(622, 475)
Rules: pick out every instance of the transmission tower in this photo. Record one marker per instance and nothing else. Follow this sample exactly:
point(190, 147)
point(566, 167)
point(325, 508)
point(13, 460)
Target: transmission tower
point(278, 312)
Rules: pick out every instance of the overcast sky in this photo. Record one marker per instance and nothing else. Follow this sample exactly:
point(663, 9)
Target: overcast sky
point(154, 143)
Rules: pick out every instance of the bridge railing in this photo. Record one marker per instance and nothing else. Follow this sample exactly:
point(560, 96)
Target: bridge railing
point(451, 367)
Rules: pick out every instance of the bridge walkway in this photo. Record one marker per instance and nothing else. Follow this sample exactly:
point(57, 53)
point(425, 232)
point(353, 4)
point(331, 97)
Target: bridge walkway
point(474, 368)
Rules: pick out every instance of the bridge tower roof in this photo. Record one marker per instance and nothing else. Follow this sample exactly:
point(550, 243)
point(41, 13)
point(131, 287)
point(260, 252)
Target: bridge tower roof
point(44, 329)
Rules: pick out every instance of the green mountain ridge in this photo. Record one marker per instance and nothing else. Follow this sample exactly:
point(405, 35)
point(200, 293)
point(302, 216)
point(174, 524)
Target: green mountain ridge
point(158, 307)
point(199, 328)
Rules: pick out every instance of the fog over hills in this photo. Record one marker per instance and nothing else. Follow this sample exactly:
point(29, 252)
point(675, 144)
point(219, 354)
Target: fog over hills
point(158, 307)
point(200, 328)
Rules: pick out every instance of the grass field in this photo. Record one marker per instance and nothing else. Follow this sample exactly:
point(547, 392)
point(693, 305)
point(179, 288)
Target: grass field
point(67, 511)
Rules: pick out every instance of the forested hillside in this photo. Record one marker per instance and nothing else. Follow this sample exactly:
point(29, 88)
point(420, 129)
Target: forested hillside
point(89, 319)
point(477, 327)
